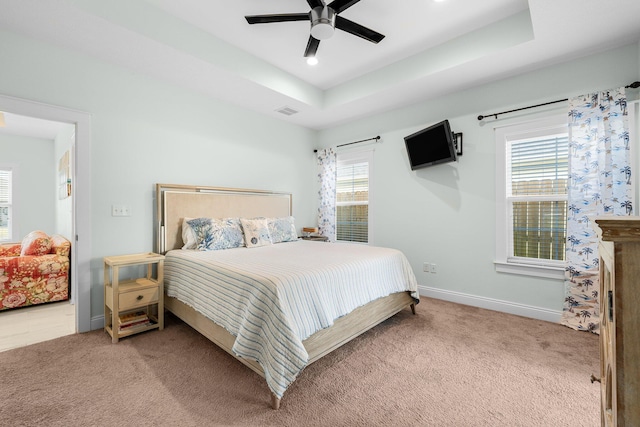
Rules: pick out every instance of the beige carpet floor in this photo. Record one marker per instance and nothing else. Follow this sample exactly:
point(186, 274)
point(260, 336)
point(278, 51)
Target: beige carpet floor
point(449, 365)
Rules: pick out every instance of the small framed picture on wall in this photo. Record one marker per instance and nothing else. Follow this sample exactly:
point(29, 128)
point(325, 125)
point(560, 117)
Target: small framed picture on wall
point(64, 177)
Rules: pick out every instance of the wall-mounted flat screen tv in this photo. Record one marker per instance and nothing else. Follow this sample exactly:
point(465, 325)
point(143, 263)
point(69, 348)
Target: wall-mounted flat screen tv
point(431, 146)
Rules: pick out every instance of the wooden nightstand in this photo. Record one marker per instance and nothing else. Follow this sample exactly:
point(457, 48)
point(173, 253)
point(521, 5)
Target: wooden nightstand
point(137, 305)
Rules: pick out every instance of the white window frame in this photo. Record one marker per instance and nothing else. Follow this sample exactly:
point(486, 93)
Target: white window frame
point(13, 219)
point(504, 229)
point(351, 157)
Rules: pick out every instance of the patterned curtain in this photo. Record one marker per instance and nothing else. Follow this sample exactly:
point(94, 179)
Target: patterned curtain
point(599, 184)
point(327, 173)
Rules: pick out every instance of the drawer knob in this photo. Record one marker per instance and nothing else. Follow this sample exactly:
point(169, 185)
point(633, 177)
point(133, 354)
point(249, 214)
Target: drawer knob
point(139, 297)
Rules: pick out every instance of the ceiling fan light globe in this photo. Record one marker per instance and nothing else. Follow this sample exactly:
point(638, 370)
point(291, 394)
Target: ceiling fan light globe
point(323, 22)
point(322, 31)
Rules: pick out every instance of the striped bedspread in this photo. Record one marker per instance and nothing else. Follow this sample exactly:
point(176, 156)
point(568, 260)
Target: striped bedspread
point(271, 298)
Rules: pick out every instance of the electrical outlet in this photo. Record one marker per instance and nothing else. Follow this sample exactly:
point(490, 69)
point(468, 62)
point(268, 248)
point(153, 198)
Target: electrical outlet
point(433, 268)
point(425, 267)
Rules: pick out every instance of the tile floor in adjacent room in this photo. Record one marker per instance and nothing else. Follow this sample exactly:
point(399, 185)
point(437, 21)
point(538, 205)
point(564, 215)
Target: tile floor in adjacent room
point(30, 325)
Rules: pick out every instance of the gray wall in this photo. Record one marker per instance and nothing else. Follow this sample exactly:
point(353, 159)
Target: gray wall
point(446, 214)
point(35, 196)
point(146, 132)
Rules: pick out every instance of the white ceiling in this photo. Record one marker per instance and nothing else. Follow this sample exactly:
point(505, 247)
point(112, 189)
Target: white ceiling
point(29, 126)
point(430, 49)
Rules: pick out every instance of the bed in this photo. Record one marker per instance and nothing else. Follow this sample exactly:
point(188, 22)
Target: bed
point(274, 307)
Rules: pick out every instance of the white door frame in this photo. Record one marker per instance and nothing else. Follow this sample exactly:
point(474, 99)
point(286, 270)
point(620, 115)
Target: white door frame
point(81, 193)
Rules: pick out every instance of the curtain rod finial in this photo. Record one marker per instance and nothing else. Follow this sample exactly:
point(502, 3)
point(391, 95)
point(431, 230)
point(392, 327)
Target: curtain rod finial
point(480, 117)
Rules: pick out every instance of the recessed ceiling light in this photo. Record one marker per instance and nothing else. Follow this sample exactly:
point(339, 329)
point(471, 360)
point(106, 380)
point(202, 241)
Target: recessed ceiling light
point(312, 60)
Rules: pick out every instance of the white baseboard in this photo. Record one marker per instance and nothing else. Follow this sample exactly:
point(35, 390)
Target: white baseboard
point(97, 322)
point(533, 312)
point(492, 304)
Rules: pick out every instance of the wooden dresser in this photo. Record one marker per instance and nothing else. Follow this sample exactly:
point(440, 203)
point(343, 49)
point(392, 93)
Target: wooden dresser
point(619, 250)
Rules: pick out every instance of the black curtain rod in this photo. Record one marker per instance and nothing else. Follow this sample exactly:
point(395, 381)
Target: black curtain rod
point(633, 85)
point(495, 115)
point(355, 142)
point(362, 140)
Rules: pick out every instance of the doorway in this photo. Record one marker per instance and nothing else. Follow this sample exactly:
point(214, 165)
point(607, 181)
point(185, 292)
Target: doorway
point(80, 196)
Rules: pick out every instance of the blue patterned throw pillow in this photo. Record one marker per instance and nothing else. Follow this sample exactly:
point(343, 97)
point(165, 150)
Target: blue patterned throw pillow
point(216, 234)
point(282, 229)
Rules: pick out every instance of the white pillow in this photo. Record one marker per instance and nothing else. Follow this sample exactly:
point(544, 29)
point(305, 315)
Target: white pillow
point(188, 235)
point(256, 232)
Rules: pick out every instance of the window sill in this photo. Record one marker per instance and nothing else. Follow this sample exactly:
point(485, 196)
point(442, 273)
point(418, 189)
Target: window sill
point(530, 270)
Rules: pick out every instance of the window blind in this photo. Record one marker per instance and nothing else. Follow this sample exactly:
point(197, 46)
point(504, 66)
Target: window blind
point(352, 201)
point(537, 193)
point(5, 204)
point(539, 166)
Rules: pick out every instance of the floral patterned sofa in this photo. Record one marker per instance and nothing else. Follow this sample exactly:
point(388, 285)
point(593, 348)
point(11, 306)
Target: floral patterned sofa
point(34, 271)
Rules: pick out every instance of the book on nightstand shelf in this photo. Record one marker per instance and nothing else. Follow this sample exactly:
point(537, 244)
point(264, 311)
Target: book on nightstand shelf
point(134, 320)
point(132, 317)
point(135, 325)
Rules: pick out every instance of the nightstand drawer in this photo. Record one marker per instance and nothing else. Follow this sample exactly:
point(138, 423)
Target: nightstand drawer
point(138, 298)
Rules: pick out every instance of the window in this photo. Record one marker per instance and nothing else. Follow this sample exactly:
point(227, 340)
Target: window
point(6, 203)
point(531, 195)
point(353, 196)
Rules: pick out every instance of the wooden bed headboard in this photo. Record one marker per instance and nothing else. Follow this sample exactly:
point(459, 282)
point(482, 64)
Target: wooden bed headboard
point(175, 202)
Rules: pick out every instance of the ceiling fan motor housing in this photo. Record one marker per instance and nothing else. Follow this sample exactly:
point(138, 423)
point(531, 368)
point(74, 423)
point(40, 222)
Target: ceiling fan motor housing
point(323, 22)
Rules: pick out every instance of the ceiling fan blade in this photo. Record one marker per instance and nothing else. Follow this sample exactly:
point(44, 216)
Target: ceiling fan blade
point(340, 5)
point(315, 3)
point(358, 30)
point(312, 47)
point(283, 17)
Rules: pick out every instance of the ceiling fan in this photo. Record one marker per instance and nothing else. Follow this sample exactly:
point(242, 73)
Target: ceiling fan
point(324, 20)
